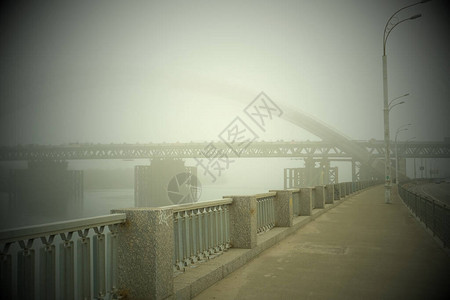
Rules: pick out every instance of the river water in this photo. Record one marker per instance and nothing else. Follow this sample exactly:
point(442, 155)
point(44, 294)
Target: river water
point(98, 202)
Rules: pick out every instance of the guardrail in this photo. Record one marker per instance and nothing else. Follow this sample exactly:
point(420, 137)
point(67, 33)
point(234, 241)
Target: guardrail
point(149, 244)
point(265, 212)
point(62, 272)
point(434, 214)
point(201, 230)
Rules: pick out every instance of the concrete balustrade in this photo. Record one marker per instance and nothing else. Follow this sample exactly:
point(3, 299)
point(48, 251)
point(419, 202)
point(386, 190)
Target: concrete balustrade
point(146, 246)
point(145, 253)
point(296, 201)
point(306, 201)
point(284, 211)
point(145, 242)
point(329, 188)
point(319, 196)
point(243, 222)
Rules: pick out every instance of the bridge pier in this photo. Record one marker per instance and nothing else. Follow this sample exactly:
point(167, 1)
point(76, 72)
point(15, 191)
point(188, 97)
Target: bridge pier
point(46, 189)
point(308, 176)
point(165, 182)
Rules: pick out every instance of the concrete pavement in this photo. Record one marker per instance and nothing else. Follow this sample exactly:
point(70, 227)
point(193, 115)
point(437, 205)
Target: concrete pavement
point(361, 249)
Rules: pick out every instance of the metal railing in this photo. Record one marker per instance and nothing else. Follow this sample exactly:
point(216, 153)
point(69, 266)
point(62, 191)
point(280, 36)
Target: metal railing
point(201, 231)
point(265, 212)
point(434, 214)
point(62, 272)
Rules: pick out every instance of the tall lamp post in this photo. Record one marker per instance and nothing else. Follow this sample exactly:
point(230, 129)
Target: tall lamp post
point(390, 25)
point(401, 128)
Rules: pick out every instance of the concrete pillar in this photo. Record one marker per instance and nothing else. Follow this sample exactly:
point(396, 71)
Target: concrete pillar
point(306, 201)
point(283, 208)
point(337, 191)
point(319, 199)
point(296, 201)
point(344, 189)
point(310, 166)
point(156, 185)
point(243, 222)
point(329, 191)
point(145, 253)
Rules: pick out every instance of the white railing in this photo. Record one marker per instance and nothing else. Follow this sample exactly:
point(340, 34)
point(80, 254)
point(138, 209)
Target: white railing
point(62, 272)
point(201, 231)
point(265, 211)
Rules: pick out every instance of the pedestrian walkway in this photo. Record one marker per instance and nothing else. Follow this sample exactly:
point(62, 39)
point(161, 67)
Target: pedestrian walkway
point(361, 249)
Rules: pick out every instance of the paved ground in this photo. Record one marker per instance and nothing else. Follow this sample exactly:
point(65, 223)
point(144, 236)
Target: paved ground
point(362, 249)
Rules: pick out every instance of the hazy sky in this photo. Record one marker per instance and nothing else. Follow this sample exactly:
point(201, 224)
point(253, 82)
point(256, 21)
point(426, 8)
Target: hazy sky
point(154, 71)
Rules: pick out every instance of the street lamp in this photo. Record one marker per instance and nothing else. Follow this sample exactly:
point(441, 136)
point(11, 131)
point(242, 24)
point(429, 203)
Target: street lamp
point(390, 25)
point(401, 128)
point(391, 105)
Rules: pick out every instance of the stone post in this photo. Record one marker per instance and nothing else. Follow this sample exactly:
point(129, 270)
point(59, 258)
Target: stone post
point(306, 201)
point(337, 191)
point(329, 189)
point(343, 189)
point(319, 198)
point(243, 221)
point(284, 212)
point(145, 253)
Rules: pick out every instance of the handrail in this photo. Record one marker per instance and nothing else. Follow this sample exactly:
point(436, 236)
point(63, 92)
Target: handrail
point(196, 205)
point(36, 231)
point(264, 195)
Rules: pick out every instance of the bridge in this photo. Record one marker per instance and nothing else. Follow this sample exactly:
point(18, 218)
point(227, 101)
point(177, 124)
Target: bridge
point(294, 149)
point(366, 157)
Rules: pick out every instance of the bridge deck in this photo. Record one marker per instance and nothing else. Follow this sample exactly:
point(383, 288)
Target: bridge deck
point(362, 249)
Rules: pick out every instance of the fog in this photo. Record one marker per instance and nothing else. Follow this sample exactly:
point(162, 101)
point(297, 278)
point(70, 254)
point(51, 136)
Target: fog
point(168, 71)
point(179, 71)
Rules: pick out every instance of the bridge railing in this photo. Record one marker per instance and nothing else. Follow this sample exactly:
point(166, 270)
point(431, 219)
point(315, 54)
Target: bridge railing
point(149, 244)
point(44, 262)
point(265, 212)
point(434, 214)
point(201, 231)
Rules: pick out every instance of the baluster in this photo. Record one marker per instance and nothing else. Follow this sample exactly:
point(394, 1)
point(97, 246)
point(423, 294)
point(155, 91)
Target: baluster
point(227, 227)
point(99, 250)
point(112, 238)
point(66, 262)
point(187, 244)
point(221, 224)
point(194, 235)
point(265, 214)
point(272, 212)
point(211, 230)
point(84, 264)
point(6, 271)
point(180, 251)
point(25, 272)
point(47, 261)
point(201, 245)
point(175, 242)
point(195, 239)
point(216, 229)
point(206, 232)
point(258, 216)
